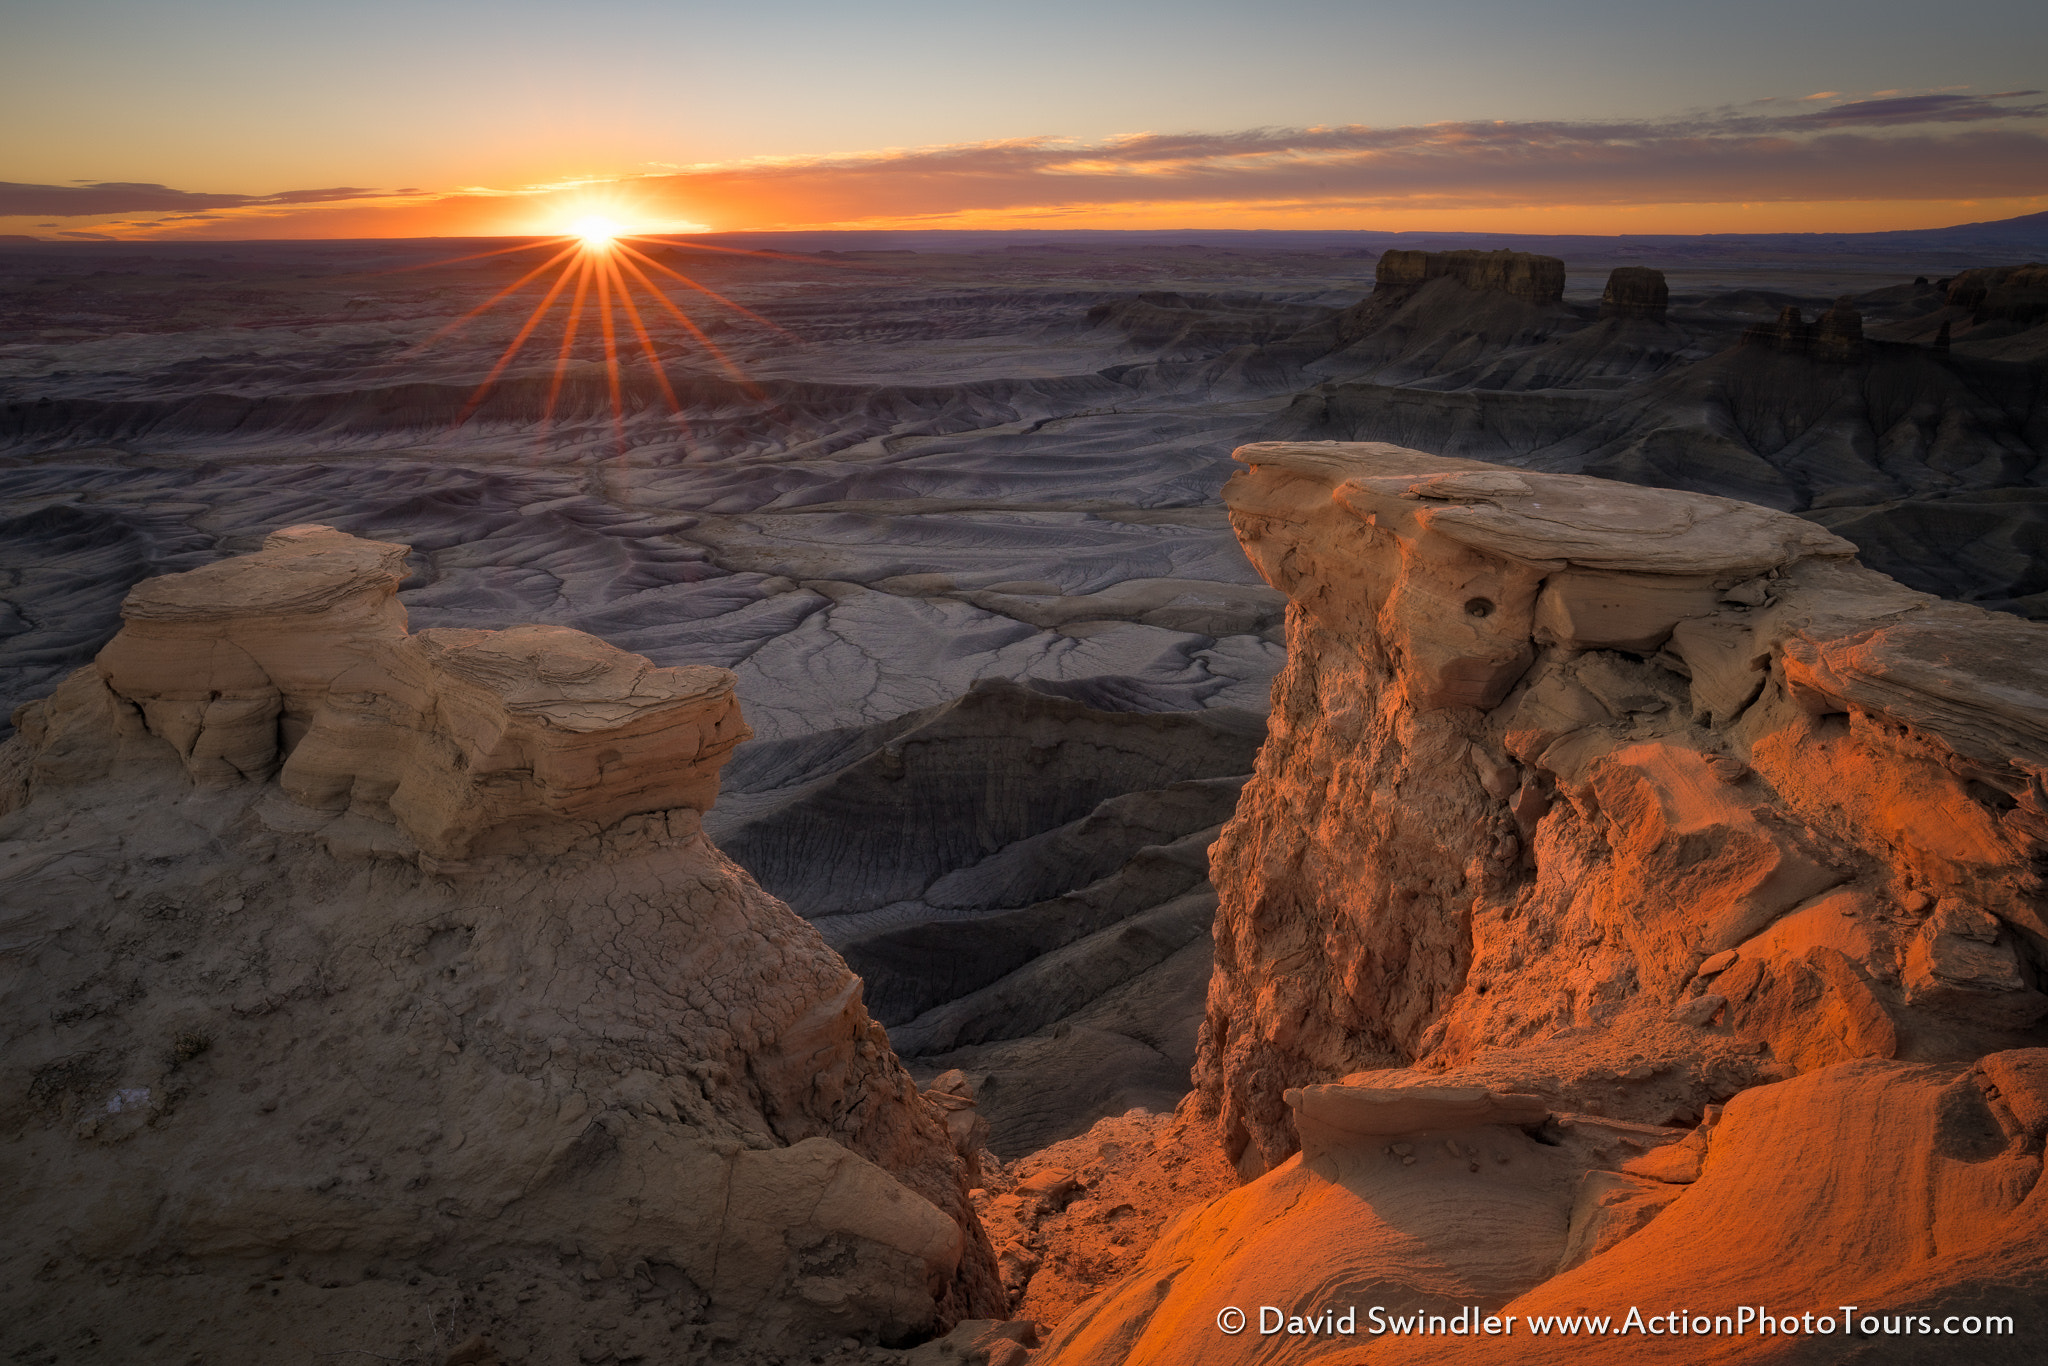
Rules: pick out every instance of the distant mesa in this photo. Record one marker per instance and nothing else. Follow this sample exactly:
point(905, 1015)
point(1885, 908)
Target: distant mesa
point(1525, 275)
point(1635, 292)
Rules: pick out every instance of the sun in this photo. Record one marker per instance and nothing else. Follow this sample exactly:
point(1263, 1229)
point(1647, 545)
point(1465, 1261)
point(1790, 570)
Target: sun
point(601, 273)
point(597, 234)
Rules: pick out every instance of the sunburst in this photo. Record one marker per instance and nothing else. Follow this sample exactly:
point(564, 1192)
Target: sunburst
point(598, 276)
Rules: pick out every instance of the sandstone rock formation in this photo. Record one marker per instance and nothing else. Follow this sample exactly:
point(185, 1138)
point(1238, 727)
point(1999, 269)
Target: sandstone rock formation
point(296, 661)
point(1584, 738)
point(1911, 1192)
point(1521, 274)
point(1635, 292)
point(1637, 903)
point(2002, 293)
point(459, 1014)
point(1836, 334)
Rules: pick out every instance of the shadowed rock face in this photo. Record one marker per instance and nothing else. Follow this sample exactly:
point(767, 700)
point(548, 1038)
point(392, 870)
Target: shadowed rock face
point(1021, 880)
point(1637, 902)
point(1836, 334)
point(2002, 293)
point(1521, 274)
point(1635, 292)
point(461, 995)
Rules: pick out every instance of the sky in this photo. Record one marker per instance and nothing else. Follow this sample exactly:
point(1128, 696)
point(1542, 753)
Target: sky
point(240, 119)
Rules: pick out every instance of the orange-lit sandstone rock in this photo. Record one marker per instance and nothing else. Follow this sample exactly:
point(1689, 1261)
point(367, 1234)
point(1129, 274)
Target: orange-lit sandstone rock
point(1904, 1190)
point(1588, 811)
point(1546, 745)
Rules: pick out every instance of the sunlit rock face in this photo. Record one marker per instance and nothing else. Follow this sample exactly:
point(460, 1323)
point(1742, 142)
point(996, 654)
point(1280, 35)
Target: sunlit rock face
point(1637, 902)
point(1907, 1190)
point(399, 966)
point(1554, 753)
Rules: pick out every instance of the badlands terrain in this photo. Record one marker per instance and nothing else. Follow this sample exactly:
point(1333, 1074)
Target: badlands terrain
point(548, 877)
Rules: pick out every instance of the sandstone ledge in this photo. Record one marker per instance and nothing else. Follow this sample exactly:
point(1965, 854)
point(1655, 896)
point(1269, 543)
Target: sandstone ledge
point(296, 662)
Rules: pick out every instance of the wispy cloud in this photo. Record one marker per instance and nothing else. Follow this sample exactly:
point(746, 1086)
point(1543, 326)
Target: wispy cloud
point(1905, 109)
point(1944, 145)
point(114, 196)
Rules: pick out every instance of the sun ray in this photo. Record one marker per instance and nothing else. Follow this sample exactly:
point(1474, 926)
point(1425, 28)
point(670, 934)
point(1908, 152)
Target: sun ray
point(710, 293)
point(694, 330)
point(554, 240)
point(604, 261)
point(751, 251)
point(583, 273)
point(646, 341)
point(483, 307)
point(607, 323)
point(512, 349)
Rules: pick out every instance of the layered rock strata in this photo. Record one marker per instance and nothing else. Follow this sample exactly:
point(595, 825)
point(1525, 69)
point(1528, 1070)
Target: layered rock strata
point(295, 662)
point(1021, 879)
point(458, 1022)
point(1552, 753)
point(2016, 294)
point(1522, 274)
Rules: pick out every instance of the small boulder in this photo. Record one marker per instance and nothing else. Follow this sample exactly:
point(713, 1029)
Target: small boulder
point(1700, 1011)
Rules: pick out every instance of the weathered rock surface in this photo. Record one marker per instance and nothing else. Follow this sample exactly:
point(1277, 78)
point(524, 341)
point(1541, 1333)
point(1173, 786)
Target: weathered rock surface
point(1911, 1192)
point(295, 661)
point(1637, 903)
point(1416, 1196)
point(461, 1012)
point(1546, 744)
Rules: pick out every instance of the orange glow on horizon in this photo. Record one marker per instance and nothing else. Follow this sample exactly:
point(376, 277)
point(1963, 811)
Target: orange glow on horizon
point(741, 201)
